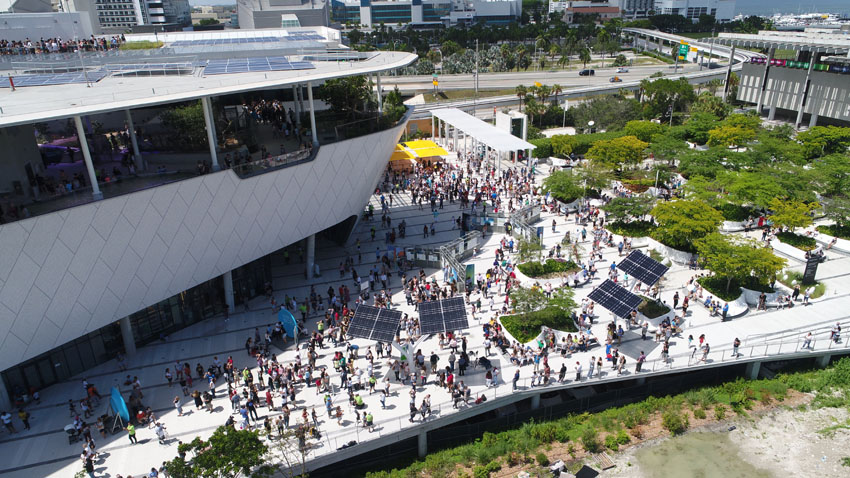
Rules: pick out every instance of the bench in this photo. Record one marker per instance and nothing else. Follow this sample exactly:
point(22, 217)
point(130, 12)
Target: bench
point(788, 251)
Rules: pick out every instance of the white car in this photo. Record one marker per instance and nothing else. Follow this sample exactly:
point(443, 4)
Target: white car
point(622, 70)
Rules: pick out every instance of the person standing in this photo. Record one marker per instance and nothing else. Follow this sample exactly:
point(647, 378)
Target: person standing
point(178, 406)
point(25, 418)
point(89, 466)
point(7, 421)
point(735, 344)
point(675, 300)
point(641, 359)
point(578, 371)
point(516, 379)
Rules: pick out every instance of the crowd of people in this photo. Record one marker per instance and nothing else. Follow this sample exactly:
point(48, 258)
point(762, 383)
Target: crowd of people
point(43, 45)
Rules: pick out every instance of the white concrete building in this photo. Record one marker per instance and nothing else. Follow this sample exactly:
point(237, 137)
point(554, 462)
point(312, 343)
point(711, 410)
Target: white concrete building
point(816, 84)
point(722, 10)
point(254, 14)
point(79, 283)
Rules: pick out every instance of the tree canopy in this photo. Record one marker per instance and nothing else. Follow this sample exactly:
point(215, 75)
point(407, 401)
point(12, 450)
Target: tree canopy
point(625, 150)
point(228, 453)
point(663, 93)
point(624, 209)
point(643, 130)
point(564, 186)
point(682, 222)
point(823, 140)
point(791, 213)
point(737, 259)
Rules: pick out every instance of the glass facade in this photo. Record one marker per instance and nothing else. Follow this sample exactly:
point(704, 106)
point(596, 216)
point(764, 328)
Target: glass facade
point(186, 308)
point(432, 12)
point(340, 12)
point(391, 13)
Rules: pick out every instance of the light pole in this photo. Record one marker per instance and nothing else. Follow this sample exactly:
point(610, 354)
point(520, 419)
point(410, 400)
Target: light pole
point(590, 125)
point(564, 123)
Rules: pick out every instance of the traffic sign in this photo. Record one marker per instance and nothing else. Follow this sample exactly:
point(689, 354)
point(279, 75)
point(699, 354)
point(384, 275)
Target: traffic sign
point(693, 48)
point(683, 49)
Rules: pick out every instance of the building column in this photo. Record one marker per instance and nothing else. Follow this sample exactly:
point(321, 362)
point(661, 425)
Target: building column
point(804, 96)
point(295, 105)
point(433, 130)
point(822, 361)
point(208, 121)
point(535, 401)
point(5, 402)
point(227, 278)
point(137, 155)
point(813, 121)
point(380, 93)
point(300, 90)
point(763, 88)
point(455, 139)
point(84, 145)
point(771, 112)
point(311, 255)
point(423, 443)
point(728, 73)
point(312, 114)
point(752, 371)
point(127, 336)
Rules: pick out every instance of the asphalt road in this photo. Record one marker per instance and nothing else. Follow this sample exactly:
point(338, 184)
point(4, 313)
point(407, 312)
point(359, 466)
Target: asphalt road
point(495, 81)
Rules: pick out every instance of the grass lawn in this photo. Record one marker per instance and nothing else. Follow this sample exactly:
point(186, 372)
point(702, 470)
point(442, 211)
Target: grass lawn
point(717, 287)
point(792, 278)
point(803, 243)
point(449, 95)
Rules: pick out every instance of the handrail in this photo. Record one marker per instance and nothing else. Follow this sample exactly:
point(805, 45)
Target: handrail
point(400, 428)
point(262, 166)
point(814, 328)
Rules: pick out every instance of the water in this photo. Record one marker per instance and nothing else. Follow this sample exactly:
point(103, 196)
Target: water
point(697, 455)
point(762, 7)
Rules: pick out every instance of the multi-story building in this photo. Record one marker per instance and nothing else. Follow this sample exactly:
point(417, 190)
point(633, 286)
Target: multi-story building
point(255, 14)
point(721, 10)
point(105, 268)
point(601, 9)
point(120, 15)
point(637, 8)
point(425, 12)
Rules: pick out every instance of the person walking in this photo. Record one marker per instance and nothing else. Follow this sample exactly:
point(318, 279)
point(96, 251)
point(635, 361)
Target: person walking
point(131, 433)
point(178, 406)
point(641, 359)
point(735, 344)
point(516, 379)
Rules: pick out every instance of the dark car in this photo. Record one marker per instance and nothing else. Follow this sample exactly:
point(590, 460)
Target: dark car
point(586, 73)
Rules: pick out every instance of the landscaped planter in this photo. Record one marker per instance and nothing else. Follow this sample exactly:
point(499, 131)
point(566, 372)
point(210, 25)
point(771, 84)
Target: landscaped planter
point(841, 245)
point(751, 297)
point(675, 255)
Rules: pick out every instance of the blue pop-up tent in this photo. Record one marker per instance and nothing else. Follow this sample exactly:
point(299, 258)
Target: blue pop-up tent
point(288, 322)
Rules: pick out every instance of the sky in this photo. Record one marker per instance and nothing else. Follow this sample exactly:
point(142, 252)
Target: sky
point(748, 7)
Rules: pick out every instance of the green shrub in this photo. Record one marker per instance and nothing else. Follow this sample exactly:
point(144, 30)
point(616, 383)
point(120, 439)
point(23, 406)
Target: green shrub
point(611, 443)
point(699, 413)
point(623, 437)
point(526, 327)
point(675, 422)
point(562, 434)
point(542, 459)
point(652, 308)
point(550, 266)
point(141, 45)
point(804, 243)
point(719, 412)
point(735, 212)
point(590, 440)
point(543, 147)
point(841, 232)
point(717, 287)
point(631, 229)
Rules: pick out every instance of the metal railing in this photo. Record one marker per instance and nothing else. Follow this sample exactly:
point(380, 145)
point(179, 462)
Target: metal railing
point(261, 166)
point(399, 428)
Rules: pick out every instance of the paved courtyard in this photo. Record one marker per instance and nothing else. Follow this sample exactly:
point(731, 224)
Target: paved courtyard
point(44, 450)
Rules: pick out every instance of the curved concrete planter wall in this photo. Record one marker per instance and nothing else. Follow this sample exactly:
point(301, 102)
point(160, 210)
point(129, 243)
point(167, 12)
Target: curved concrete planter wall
point(675, 255)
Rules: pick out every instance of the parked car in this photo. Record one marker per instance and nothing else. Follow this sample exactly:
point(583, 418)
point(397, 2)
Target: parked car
point(615, 79)
point(622, 70)
point(586, 73)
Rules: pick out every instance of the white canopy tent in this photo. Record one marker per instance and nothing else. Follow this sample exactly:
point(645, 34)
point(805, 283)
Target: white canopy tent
point(479, 131)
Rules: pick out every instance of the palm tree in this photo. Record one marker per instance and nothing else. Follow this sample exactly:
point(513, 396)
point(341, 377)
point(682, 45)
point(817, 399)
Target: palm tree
point(553, 51)
point(557, 90)
point(520, 54)
point(543, 93)
point(584, 56)
point(533, 108)
point(521, 92)
point(565, 57)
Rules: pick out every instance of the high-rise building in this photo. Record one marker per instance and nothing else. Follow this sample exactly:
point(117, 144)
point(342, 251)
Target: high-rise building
point(255, 14)
point(425, 12)
point(119, 15)
point(721, 10)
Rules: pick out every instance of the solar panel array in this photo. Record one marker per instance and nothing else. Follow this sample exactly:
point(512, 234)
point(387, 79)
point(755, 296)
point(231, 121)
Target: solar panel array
point(444, 316)
point(245, 41)
point(54, 79)
point(150, 66)
point(374, 323)
point(643, 267)
point(262, 63)
point(616, 299)
point(225, 41)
